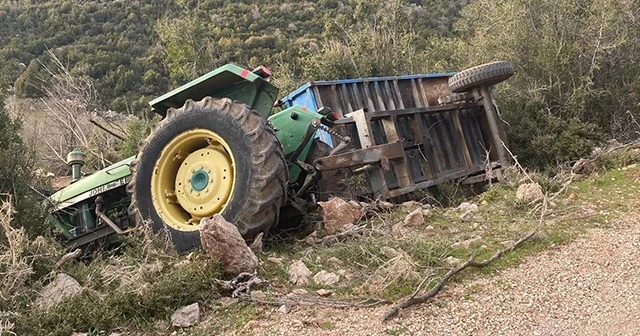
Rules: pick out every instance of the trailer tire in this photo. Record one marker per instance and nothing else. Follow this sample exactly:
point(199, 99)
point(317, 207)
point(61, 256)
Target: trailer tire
point(255, 163)
point(485, 74)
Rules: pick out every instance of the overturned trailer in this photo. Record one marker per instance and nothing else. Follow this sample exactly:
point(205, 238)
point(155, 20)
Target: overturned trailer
point(412, 132)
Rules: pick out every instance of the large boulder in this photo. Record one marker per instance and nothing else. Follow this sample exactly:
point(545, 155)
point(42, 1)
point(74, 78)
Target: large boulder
point(338, 214)
point(63, 287)
point(222, 242)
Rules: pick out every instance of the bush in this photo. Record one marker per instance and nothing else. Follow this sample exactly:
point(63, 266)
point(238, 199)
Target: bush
point(17, 176)
point(542, 141)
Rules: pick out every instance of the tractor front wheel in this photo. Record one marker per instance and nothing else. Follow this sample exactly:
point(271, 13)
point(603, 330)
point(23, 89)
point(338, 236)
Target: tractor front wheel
point(209, 157)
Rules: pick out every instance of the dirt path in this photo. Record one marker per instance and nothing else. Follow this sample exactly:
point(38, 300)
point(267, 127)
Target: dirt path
point(588, 287)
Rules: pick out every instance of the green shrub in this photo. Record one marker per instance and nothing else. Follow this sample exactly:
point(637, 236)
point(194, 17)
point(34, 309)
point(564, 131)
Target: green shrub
point(542, 141)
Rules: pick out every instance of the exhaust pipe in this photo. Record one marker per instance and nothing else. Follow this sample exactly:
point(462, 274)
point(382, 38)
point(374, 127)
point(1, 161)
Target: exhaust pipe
point(76, 160)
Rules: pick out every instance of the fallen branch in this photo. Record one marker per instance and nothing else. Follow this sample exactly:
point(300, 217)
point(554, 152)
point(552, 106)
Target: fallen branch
point(110, 132)
point(438, 287)
point(68, 257)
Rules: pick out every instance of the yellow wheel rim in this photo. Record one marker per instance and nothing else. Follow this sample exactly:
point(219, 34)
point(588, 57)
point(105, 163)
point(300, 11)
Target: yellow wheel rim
point(193, 179)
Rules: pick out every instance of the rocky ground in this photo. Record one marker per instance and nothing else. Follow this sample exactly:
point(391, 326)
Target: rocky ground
point(587, 287)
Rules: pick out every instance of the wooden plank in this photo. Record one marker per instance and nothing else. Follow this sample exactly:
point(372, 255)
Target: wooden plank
point(416, 127)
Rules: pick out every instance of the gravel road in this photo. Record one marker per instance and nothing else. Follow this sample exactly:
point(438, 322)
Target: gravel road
point(590, 286)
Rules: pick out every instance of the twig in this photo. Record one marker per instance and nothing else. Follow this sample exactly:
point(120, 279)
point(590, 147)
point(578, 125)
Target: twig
point(68, 257)
point(438, 287)
point(110, 132)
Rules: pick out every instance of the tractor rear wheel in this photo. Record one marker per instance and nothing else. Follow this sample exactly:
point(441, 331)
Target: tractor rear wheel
point(485, 74)
point(209, 157)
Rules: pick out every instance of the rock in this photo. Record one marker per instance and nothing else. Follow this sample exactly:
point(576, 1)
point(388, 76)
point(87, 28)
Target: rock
point(427, 206)
point(346, 274)
point(484, 203)
point(114, 334)
point(411, 204)
point(386, 205)
point(467, 207)
point(415, 218)
point(186, 316)
point(429, 228)
point(299, 274)
point(335, 262)
point(552, 204)
point(398, 230)
point(226, 302)
point(426, 212)
point(258, 296)
point(631, 166)
point(467, 243)
point(572, 196)
point(325, 278)
point(222, 242)
point(389, 252)
point(277, 261)
point(338, 215)
point(529, 192)
point(324, 292)
point(63, 287)
point(253, 324)
point(79, 334)
point(284, 309)
point(452, 261)
point(299, 291)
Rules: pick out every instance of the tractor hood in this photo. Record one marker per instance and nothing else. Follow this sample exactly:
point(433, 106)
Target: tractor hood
point(114, 176)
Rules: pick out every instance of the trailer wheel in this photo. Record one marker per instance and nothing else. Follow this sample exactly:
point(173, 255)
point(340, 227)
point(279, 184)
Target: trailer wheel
point(209, 157)
point(485, 74)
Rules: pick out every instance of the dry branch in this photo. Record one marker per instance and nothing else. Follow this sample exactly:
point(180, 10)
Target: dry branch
point(413, 300)
point(110, 132)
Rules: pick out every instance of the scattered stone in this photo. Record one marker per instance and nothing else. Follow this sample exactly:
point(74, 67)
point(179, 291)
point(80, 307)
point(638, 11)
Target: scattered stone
point(631, 166)
point(572, 196)
point(415, 218)
point(452, 261)
point(389, 252)
point(484, 203)
point(467, 207)
point(338, 215)
point(345, 274)
point(426, 212)
point(386, 205)
point(411, 204)
point(467, 243)
point(253, 324)
point(186, 316)
point(258, 296)
point(552, 204)
point(299, 291)
point(427, 206)
point(226, 302)
point(63, 287)
point(223, 243)
point(335, 262)
point(284, 309)
point(429, 228)
point(318, 260)
point(79, 334)
point(324, 292)
point(529, 192)
point(398, 230)
point(507, 242)
point(299, 274)
point(325, 278)
point(277, 261)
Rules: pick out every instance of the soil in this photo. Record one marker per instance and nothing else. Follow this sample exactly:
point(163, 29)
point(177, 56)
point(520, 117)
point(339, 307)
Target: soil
point(587, 287)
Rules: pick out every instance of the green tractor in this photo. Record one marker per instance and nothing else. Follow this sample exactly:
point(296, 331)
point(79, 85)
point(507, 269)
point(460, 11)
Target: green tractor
point(221, 149)
point(226, 155)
